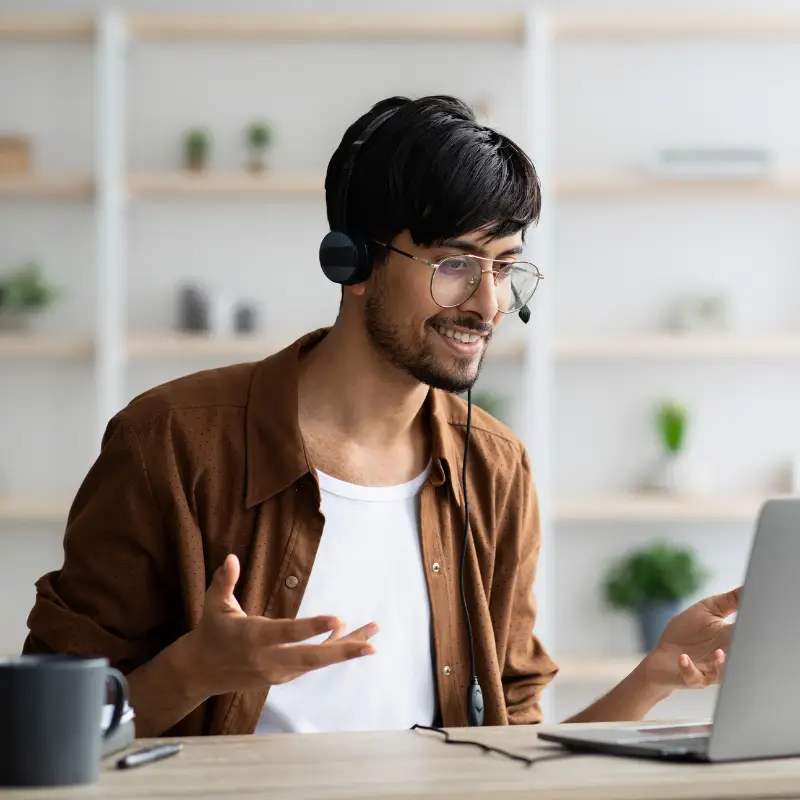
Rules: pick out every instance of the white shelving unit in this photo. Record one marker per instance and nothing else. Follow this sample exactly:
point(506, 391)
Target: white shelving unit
point(113, 188)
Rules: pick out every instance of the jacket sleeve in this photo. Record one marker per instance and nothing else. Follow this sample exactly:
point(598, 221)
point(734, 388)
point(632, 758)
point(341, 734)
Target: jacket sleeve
point(527, 668)
point(111, 596)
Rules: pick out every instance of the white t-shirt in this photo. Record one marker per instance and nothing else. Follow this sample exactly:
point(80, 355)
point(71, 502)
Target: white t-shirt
point(368, 568)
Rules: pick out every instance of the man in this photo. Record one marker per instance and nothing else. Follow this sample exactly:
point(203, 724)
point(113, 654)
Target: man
point(190, 545)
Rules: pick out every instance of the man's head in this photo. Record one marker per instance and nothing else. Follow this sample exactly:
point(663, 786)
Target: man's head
point(430, 183)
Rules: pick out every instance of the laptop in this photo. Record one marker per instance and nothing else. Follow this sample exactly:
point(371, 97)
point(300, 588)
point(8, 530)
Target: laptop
point(757, 713)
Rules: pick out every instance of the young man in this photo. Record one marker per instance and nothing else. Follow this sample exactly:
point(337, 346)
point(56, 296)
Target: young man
point(245, 531)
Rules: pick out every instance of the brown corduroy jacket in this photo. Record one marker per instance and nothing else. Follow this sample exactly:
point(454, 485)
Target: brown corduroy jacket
point(214, 463)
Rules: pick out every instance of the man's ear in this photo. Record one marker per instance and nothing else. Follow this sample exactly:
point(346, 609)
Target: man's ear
point(357, 289)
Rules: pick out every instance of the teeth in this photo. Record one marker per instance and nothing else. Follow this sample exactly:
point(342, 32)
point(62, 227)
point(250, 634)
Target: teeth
point(460, 336)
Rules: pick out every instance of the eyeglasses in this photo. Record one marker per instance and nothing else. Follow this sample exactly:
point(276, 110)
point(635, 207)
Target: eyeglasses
point(456, 278)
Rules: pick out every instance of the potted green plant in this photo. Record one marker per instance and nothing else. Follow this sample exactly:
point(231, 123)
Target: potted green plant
point(672, 471)
point(23, 293)
point(652, 583)
point(196, 149)
point(258, 138)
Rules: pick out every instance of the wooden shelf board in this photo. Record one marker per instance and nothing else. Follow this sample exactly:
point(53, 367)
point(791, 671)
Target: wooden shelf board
point(192, 345)
point(673, 25)
point(643, 185)
point(24, 347)
point(590, 669)
point(678, 346)
point(32, 508)
point(433, 27)
point(210, 185)
point(46, 187)
point(644, 507)
point(287, 185)
point(46, 27)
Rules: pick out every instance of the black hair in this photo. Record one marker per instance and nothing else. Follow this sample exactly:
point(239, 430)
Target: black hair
point(433, 169)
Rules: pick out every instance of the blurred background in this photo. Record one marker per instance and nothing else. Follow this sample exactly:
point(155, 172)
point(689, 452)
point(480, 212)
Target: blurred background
point(161, 209)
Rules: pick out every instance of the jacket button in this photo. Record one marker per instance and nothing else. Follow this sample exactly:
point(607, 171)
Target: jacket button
point(291, 582)
point(446, 670)
point(436, 567)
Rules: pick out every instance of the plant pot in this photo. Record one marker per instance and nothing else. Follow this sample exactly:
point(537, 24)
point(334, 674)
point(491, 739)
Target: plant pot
point(195, 164)
point(652, 619)
point(257, 161)
point(673, 474)
point(14, 321)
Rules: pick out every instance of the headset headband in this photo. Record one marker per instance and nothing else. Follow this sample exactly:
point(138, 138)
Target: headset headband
point(347, 168)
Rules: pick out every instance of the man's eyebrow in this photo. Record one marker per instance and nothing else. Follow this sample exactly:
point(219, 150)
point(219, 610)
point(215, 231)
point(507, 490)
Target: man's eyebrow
point(471, 247)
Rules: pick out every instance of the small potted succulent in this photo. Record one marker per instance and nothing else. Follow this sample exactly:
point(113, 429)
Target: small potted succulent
point(196, 149)
point(23, 293)
point(672, 472)
point(652, 583)
point(258, 138)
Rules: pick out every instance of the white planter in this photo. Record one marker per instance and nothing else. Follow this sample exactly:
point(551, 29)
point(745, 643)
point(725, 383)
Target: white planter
point(673, 474)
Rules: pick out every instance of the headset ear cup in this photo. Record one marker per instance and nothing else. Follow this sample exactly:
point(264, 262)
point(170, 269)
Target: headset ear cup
point(345, 259)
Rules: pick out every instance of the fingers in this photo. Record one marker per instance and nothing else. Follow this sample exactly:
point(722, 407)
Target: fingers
point(718, 664)
point(362, 634)
point(707, 674)
point(289, 631)
point(691, 676)
point(725, 604)
point(307, 657)
point(220, 592)
point(337, 632)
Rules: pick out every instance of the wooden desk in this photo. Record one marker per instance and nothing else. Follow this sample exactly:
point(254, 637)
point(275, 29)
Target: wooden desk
point(412, 764)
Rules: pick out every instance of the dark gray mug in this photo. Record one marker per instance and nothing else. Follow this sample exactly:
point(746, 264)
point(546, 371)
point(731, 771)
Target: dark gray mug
point(51, 709)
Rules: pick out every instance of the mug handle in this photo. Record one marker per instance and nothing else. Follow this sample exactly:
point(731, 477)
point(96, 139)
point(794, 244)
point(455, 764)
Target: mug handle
point(120, 699)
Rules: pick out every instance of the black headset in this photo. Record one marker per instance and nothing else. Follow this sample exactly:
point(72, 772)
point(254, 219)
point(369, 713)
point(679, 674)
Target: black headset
point(345, 259)
point(345, 255)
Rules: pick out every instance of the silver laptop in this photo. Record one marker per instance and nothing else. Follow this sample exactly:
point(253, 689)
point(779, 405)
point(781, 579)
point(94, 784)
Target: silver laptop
point(757, 714)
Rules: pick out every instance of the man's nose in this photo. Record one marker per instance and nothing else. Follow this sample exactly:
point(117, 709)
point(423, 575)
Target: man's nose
point(484, 301)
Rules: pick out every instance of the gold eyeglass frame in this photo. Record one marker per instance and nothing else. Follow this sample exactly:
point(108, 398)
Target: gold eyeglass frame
point(434, 265)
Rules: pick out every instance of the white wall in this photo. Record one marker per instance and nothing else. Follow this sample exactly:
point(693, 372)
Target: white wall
point(619, 264)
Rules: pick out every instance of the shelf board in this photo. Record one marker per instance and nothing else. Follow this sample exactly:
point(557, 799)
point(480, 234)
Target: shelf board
point(46, 27)
point(46, 187)
point(676, 346)
point(575, 669)
point(643, 507)
point(27, 347)
point(624, 185)
point(227, 186)
point(673, 25)
point(32, 508)
point(193, 345)
point(431, 27)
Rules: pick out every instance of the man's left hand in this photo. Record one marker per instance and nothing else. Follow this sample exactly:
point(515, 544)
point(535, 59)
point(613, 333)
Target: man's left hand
point(691, 652)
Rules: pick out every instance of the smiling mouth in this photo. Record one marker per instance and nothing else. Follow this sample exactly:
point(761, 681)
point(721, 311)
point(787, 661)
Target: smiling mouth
point(460, 341)
point(458, 335)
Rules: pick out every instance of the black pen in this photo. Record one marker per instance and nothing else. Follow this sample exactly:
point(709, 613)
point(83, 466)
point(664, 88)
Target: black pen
point(148, 755)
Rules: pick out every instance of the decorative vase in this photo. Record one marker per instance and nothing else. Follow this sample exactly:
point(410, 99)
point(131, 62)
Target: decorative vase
point(652, 619)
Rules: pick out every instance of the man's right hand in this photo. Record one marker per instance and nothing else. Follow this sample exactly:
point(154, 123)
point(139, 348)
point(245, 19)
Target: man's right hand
point(235, 652)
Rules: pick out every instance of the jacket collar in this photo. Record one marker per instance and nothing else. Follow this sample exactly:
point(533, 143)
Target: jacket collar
point(276, 454)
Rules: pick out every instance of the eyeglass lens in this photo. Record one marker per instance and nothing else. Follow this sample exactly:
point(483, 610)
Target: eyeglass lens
point(457, 278)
